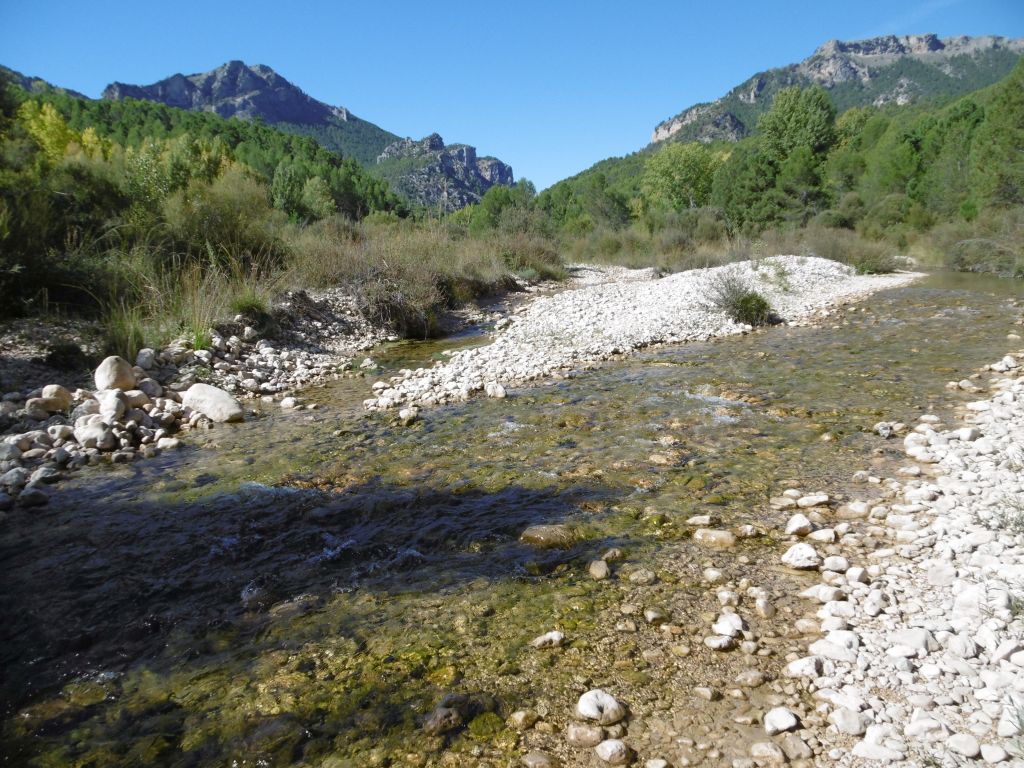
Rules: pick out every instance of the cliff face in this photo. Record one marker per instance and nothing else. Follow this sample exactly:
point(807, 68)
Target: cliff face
point(426, 172)
point(877, 71)
point(437, 176)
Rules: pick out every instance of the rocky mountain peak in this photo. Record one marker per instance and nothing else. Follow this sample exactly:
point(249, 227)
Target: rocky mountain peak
point(234, 89)
point(891, 69)
point(436, 175)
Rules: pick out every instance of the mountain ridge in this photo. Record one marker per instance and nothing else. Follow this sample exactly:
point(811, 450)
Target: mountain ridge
point(236, 89)
point(879, 70)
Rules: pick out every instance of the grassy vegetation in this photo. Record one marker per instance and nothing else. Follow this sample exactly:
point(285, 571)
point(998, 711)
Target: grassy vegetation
point(730, 294)
point(165, 222)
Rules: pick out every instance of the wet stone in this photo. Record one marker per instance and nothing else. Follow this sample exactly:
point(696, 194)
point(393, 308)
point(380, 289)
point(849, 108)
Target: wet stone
point(538, 760)
point(600, 706)
point(584, 734)
point(548, 536)
point(599, 570)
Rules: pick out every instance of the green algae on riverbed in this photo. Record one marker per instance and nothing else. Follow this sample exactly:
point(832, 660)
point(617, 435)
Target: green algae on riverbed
point(170, 614)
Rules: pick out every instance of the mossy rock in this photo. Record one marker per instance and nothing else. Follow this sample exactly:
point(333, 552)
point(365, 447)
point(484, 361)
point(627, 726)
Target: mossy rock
point(486, 725)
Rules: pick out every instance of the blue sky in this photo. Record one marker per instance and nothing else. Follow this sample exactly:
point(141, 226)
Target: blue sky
point(549, 87)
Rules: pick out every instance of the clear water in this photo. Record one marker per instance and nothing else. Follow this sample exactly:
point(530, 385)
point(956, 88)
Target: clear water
point(300, 589)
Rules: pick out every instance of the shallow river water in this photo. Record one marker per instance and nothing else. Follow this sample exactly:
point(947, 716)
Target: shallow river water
point(305, 587)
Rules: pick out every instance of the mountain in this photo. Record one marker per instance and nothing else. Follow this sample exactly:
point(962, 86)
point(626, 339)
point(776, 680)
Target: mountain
point(425, 172)
point(435, 175)
point(878, 71)
point(258, 92)
point(35, 84)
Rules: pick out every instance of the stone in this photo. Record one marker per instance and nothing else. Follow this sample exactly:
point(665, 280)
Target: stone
point(848, 721)
point(9, 452)
point(408, 416)
point(538, 760)
point(715, 539)
point(554, 536)
point(808, 666)
point(600, 706)
point(599, 570)
point(553, 639)
point(779, 720)
point(495, 390)
point(643, 576)
point(720, 642)
point(799, 525)
point(802, 557)
point(812, 500)
point(584, 734)
point(836, 563)
point(728, 624)
point(768, 753)
point(993, 753)
point(214, 403)
point(114, 373)
point(146, 359)
point(523, 719)
point(871, 751)
point(613, 752)
point(33, 497)
point(59, 395)
point(964, 744)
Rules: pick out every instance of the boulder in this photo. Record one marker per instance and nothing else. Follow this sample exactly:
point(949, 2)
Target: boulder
point(114, 373)
point(216, 404)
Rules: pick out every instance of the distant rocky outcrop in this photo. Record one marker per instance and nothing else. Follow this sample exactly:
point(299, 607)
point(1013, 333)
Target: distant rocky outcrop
point(35, 84)
point(882, 70)
point(437, 176)
point(426, 172)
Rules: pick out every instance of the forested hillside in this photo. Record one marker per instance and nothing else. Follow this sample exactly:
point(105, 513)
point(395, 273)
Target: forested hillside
point(889, 174)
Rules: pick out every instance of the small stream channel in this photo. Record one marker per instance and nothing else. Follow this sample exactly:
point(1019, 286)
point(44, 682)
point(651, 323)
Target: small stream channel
point(302, 588)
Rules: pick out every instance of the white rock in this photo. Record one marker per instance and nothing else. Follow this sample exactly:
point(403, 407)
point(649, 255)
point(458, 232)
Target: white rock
point(613, 752)
point(848, 721)
point(600, 706)
point(993, 753)
point(779, 720)
point(802, 557)
point(553, 639)
point(964, 744)
point(728, 625)
point(799, 525)
point(812, 500)
point(808, 666)
point(216, 404)
point(114, 373)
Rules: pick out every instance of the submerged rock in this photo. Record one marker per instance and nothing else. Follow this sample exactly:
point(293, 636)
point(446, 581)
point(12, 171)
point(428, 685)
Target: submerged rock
point(600, 706)
point(554, 536)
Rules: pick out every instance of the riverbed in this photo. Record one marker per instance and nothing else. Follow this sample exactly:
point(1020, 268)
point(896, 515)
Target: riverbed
point(304, 588)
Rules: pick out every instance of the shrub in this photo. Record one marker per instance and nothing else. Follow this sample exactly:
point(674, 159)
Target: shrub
point(731, 295)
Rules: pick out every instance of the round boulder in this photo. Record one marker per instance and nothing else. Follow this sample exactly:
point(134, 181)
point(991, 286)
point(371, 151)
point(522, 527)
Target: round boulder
point(114, 373)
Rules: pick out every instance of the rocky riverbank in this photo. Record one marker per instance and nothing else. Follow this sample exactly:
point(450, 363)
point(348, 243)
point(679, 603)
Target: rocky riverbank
point(555, 335)
point(921, 659)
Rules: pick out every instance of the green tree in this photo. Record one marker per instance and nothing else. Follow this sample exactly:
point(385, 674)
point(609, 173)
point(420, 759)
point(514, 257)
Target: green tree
point(998, 158)
point(316, 198)
point(680, 176)
point(286, 188)
point(798, 118)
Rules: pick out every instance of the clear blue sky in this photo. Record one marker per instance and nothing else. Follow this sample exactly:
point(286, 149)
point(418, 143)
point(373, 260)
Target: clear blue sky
point(550, 87)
